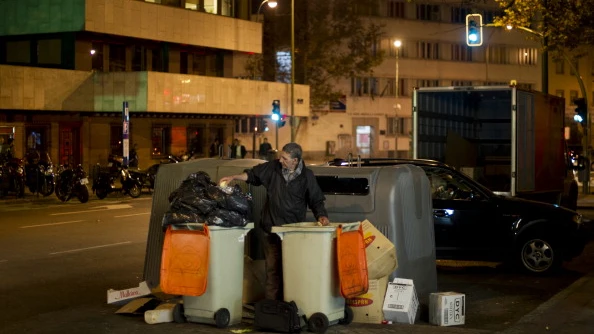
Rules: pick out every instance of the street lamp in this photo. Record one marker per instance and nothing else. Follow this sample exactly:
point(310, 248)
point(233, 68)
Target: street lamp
point(397, 45)
point(292, 120)
point(271, 4)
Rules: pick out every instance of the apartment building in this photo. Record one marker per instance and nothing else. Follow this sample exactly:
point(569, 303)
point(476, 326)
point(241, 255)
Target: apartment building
point(374, 120)
point(67, 67)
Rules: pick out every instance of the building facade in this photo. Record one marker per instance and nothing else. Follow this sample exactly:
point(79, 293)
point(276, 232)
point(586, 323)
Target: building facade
point(373, 119)
point(67, 69)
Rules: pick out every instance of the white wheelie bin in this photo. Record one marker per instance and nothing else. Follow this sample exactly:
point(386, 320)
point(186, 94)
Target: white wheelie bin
point(221, 303)
point(310, 273)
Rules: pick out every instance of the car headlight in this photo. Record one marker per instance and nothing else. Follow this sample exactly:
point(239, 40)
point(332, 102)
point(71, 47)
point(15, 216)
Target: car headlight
point(577, 219)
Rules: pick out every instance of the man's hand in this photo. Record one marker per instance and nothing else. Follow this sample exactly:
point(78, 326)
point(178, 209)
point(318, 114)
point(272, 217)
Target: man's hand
point(324, 220)
point(225, 180)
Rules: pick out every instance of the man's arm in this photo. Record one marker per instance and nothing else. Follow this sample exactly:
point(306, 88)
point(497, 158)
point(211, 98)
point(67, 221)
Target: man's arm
point(225, 180)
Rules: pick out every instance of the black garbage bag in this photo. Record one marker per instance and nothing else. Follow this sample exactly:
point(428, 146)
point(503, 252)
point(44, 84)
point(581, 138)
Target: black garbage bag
point(179, 217)
point(201, 179)
point(217, 194)
point(238, 201)
point(226, 218)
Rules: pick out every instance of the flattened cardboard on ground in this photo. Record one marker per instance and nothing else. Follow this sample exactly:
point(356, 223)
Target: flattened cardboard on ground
point(121, 296)
point(367, 308)
point(254, 279)
point(447, 308)
point(380, 252)
point(401, 302)
point(139, 306)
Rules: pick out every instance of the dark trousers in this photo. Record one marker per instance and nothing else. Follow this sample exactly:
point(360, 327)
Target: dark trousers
point(271, 244)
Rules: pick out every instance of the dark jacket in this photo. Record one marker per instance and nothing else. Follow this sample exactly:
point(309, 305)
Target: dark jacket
point(234, 152)
point(286, 203)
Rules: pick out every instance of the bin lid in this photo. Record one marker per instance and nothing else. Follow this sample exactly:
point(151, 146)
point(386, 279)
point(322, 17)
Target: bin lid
point(314, 227)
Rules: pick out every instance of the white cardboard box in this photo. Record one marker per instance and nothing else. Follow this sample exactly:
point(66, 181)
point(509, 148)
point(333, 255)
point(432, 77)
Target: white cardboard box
point(117, 296)
point(401, 302)
point(447, 308)
point(367, 308)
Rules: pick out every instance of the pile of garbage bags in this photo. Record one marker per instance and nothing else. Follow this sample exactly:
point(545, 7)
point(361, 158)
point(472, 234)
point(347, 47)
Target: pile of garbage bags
point(199, 200)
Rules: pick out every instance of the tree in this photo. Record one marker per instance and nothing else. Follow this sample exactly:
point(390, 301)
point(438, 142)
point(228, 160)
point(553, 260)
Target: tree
point(333, 41)
point(563, 25)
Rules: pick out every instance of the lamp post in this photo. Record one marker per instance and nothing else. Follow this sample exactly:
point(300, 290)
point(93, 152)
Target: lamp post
point(292, 120)
point(397, 45)
point(271, 4)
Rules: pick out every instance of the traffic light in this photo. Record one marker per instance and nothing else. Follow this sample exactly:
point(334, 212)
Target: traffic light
point(282, 121)
point(474, 30)
point(581, 111)
point(275, 110)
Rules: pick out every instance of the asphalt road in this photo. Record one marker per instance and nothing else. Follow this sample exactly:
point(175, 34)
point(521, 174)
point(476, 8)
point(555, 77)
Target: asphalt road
point(57, 260)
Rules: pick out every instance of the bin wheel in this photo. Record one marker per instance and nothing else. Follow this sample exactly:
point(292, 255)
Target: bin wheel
point(178, 314)
point(222, 318)
point(348, 316)
point(318, 323)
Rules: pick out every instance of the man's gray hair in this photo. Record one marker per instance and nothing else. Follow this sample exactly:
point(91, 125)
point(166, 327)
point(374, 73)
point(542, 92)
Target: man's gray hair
point(294, 150)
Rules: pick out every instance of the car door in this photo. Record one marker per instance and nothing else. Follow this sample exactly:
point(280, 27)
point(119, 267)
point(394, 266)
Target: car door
point(466, 220)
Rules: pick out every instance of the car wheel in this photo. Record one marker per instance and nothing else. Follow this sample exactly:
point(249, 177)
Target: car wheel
point(539, 255)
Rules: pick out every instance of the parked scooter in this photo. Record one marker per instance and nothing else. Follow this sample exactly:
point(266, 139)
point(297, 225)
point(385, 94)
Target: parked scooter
point(12, 177)
point(71, 182)
point(105, 182)
point(39, 173)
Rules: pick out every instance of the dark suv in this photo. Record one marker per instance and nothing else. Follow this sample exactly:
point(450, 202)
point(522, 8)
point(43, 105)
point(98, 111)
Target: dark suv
point(473, 223)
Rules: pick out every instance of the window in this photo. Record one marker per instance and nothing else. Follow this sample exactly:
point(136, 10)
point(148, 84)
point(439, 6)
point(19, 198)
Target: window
point(427, 83)
point(428, 50)
point(395, 9)
point(161, 141)
point(334, 185)
point(157, 61)
point(573, 94)
point(461, 83)
point(18, 52)
point(498, 55)
point(49, 51)
point(117, 58)
point(183, 63)
point(526, 86)
point(428, 12)
point(139, 61)
point(400, 126)
point(461, 52)
point(459, 14)
point(37, 138)
point(489, 16)
point(115, 139)
point(527, 56)
point(195, 140)
point(360, 86)
point(246, 125)
point(97, 54)
point(448, 186)
point(576, 66)
point(559, 66)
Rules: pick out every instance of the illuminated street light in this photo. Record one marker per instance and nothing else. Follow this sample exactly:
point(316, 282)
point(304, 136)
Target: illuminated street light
point(397, 45)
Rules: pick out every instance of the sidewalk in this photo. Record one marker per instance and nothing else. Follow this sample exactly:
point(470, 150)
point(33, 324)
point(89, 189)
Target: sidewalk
point(585, 200)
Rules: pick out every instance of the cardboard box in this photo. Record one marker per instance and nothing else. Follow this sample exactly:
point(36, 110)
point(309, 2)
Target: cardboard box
point(117, 296)
point(447, 308)
point(380, 252)
point(367, 308)
point(401, 302)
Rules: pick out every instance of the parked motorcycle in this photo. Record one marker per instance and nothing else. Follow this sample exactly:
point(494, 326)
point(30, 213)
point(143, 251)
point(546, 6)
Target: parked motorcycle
point(71, 182)
point(105, 182)
point(12, 177)
point(147, 177)
point(39, 173)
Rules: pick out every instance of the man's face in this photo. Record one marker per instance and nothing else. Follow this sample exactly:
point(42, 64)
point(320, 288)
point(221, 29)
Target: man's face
point(287, 161)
